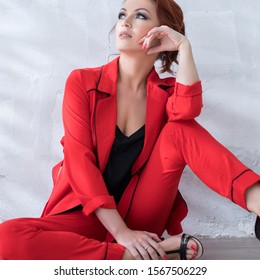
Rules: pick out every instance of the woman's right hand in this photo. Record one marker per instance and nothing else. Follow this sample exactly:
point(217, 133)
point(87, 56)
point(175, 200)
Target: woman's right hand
point(141, 244)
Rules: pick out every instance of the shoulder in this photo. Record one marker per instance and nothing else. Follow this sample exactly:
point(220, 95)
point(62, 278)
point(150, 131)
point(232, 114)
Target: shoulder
point(86, 77)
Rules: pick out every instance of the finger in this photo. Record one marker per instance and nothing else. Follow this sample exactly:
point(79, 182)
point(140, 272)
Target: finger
point(152, 253)
point(154, 236)
point(141, 41)
point(158, 250)
point(159, 29)
point(135, 253)
point(144, 254)
point(155, 50)
point(147, 42)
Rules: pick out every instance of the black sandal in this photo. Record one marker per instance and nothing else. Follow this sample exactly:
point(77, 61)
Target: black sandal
point(257, 227)
point(185, 238)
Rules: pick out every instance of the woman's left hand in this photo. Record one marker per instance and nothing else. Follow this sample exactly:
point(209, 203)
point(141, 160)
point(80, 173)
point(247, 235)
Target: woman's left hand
point(169, 40)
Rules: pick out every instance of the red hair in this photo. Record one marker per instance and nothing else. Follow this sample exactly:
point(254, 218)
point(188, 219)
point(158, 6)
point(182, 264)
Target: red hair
point(169, 13)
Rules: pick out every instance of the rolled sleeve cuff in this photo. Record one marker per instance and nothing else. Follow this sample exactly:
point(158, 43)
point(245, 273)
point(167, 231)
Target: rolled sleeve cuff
point(188, 90)
point(241, 184)
point(104, 201)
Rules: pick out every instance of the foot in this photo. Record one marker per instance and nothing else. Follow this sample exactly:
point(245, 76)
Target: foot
point(194, 248)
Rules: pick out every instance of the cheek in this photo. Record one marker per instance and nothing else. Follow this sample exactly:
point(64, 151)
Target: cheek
point(117, 28)
point(146, 28)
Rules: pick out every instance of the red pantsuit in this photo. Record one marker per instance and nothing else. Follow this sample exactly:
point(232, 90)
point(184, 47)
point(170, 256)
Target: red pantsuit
point(151, 201)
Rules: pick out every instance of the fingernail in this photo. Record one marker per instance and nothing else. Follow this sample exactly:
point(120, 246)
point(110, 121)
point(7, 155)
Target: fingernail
point(194, 247)
point(165, 257)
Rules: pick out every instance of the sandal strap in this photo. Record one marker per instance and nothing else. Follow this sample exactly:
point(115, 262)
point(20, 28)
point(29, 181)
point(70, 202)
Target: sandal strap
point(185, 238)
point(183, 247)
point(257, 227)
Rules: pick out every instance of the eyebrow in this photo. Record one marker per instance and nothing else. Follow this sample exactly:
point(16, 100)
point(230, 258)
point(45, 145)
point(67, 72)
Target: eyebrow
point(123, 9)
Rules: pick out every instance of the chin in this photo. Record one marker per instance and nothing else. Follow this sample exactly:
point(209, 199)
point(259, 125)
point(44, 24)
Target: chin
point(126, 48)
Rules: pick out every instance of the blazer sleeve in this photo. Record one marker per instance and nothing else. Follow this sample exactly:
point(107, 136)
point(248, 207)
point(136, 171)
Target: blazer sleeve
point(185, 103)
point(80, 161)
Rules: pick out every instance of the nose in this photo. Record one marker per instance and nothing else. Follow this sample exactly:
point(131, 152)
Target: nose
point(126, 23)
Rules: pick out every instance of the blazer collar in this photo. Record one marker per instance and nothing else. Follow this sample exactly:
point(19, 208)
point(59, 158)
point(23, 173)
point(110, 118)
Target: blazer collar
point(157, 97)
point(109, 76)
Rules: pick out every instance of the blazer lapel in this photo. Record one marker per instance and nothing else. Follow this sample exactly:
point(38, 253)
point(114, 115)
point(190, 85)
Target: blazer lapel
point(106, 112)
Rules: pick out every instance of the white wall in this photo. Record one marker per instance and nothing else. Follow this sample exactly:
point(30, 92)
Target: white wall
point(41, 41)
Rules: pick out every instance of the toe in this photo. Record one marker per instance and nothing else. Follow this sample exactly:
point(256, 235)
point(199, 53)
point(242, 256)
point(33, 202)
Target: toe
point(190, 254)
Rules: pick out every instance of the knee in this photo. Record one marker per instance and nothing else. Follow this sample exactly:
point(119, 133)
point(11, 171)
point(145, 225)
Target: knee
point(175, 132)
point(188, 132)
point(11, 232)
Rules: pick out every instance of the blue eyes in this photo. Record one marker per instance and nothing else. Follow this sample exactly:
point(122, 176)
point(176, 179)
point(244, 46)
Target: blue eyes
point(138, 15)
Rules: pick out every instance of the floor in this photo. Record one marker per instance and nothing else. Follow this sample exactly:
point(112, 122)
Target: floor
point(231, 249)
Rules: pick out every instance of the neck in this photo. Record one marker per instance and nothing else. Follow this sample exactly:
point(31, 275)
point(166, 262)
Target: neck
point(133, 70)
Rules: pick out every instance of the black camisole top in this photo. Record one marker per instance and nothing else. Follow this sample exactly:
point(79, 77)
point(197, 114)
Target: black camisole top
point(123, 154)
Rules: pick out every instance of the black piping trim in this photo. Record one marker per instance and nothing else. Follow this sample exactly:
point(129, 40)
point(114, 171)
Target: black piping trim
point(95, 131)
point(98, 81)
point(105, 256)
point(99, 78)
point(138, 174)
point(232, 197)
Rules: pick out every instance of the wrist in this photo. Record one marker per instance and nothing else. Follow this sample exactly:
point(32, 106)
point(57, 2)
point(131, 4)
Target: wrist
point(119, 231)
point(111, 220)
point(184, 45)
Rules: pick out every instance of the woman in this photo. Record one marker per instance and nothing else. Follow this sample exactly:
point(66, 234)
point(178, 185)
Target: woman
point(128, 136)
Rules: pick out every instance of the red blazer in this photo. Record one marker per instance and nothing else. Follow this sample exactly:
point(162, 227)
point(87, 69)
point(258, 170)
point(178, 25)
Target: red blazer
point(89, 117)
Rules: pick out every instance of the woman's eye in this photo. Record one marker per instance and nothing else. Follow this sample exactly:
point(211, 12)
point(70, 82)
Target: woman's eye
point(141, 16)
point(121, 15)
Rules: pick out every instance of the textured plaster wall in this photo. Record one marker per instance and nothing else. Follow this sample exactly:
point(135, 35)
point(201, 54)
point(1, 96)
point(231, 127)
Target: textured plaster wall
point(41, 41)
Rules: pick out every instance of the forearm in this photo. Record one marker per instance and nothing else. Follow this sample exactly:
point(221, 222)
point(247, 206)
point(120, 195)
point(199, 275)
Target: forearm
point(111, 220)
point(134, 241)
point(187, 72)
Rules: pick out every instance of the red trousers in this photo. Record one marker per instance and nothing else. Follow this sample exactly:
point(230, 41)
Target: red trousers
point(72, 235)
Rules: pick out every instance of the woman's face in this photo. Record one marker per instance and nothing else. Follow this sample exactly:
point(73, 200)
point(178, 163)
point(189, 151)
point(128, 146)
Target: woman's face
point(135, 19)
